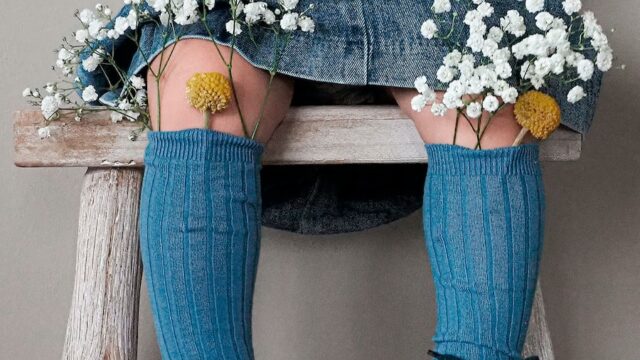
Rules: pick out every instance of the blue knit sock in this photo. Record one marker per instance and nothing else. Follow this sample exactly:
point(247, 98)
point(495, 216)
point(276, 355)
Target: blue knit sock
point(483, 223)
point(200, 237)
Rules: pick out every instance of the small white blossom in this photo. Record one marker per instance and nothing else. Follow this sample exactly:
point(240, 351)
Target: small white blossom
point(439, 109)
point(137, 82)
point(26, 92)
point(233, 27)
point(421, 84)
point(585, 69)
point(475, 42)
point(490, 103)
point(418, 102)
point(91, 63)
point(49, 106)
point(495, 34)
point(441, 6)
point(445, 74)
point(86, 16)
point(289, 21)
point(474, 110)
point(544, 20)
point(513, 23)
point(453, 58)
point(254, 11)
point(306, 24)
point(429, 29)
point(604, 60)
point(576, 94)
point(89, 94)
point(534, 6)
point(509, 95)
point(485, 9)
point(82, 35)
point(269, 17)
point(571, 6)
point(121, 25)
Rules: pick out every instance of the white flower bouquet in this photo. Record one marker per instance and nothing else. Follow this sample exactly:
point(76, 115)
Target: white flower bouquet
point(501, 59)
point(86, 50)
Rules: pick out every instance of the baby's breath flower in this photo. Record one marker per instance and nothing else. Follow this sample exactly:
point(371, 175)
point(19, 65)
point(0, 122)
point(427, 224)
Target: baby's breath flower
point(137, 82)
point(585, 69)
point(289, 21)
point(571, 6)
point(439, 109)
point(429, 29)
point(474, 110)
point(513, 23)
point(441, 6)
point(306, 24)
point(544, 20)
point(49, 106)
point(89, 94)
point(576, 94)
point(490, 103)
point(233, 27)
point(26, 92)
point(534, 6)
point(418, 102)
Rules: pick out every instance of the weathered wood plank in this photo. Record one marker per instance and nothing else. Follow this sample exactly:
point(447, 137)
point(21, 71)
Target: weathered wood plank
point(309, 135)
point(103, 320)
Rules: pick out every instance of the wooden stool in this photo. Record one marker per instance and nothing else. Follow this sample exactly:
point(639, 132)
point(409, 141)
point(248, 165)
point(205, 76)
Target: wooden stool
point(103, 320)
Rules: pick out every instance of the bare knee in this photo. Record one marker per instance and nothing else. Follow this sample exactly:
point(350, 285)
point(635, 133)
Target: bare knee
point(500, 131)
point(196, 55)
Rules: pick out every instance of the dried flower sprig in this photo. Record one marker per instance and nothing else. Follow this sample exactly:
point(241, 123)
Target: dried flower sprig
point(493, 65)
point(92, 50)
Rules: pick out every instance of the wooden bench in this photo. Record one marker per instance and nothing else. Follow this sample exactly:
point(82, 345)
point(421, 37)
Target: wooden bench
point(103, 320)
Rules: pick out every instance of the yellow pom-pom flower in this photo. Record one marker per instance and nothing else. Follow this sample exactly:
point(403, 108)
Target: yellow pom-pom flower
point(537, 113)
point(209, 92)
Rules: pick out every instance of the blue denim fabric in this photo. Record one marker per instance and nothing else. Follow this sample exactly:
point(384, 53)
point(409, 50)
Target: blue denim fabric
point(356, 42)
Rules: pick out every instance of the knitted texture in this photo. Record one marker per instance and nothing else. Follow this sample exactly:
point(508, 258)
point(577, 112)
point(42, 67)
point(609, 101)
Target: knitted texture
point(200, 238)
point(483, 222)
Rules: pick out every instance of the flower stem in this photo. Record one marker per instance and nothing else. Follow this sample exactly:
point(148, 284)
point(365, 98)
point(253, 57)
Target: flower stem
point(207, 119)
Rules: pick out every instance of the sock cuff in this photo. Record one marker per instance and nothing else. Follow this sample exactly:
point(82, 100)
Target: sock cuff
point(447, 159)
point(201, 145)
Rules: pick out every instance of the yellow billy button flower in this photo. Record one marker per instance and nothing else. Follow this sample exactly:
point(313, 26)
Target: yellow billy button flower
point(209, 92)
point(537, 113)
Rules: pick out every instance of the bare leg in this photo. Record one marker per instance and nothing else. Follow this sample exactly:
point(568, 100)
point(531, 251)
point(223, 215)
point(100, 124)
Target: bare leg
point(483, 216)
point(501, 132)
point(200, 207)
point(197, 55)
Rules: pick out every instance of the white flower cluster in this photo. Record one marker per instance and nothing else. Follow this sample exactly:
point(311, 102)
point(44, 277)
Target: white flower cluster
point(494, 65)
point(100, 24)
point(284, 16)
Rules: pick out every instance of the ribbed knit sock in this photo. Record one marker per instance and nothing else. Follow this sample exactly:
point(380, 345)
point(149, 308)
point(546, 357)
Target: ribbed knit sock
point(483, 223)
point(200, 238)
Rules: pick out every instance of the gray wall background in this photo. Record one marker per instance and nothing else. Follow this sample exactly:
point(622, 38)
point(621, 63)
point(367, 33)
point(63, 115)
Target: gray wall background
point(358, 297)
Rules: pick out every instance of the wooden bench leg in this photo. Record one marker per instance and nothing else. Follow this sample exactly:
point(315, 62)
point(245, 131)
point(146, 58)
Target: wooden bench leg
point(103, 321)
point(538, 338)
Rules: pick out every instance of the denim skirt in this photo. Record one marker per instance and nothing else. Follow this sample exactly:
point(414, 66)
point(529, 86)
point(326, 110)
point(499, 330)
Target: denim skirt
point(355, 43)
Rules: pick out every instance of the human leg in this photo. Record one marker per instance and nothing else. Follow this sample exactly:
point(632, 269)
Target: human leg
point(483, 219)
point(200, 211)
